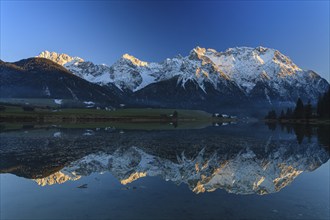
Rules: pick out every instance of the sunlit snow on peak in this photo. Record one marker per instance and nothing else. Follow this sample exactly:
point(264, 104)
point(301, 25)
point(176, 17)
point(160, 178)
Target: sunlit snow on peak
point(135, 60)
point(58, 58)
point(244, 67)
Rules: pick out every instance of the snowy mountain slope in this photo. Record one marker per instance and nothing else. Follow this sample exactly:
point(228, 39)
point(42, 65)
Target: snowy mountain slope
point(42, 78)
point(260, 72)
point(59, 58)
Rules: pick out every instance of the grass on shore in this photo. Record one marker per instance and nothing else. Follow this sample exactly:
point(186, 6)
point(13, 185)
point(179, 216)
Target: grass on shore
point(14, 117)
point(16, 111)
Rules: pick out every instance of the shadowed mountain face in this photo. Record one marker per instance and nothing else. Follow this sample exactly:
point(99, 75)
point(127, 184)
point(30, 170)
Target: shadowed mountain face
point(189, 96)
point(205, 79)
point(205, 160)
point(254, 78)
point(42, 78)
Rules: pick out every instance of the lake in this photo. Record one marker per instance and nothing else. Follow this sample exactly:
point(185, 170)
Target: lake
point(227, 171)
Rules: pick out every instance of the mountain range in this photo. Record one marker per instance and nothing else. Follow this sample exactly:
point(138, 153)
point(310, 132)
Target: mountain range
point(204, 79)
point(42, 78)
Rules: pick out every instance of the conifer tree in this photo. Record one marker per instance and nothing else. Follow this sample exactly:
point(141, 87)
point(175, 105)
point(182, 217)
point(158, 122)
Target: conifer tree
point(282, 116)
point(271, 115)
point(299, 110)
point(323, 105)
point(319, 106)
point(288, 113)
point(308, 110)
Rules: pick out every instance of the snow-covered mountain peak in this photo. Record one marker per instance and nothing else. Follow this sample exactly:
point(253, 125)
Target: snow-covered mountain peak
point(260, 71)
point(259, 55)
point(198, 51)
point(58, 58)
point(246, 65)
point(134, 60)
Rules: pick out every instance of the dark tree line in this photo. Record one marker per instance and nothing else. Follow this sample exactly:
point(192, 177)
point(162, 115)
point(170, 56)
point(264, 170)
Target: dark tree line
point(302, 111)
point(271, 115)
point(323, 105)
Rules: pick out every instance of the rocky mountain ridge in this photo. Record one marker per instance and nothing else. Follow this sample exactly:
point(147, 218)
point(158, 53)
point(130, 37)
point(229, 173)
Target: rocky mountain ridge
point(44, 79)
point(259, 74)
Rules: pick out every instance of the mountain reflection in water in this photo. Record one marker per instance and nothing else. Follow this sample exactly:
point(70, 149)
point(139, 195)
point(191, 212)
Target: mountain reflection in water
point(247, 159)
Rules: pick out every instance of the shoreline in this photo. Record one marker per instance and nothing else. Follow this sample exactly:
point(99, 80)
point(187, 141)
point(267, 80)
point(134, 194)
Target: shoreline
point(313, 121)
point(83, 115)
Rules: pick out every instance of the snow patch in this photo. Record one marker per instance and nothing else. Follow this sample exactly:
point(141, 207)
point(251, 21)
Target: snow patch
point(267, 96)
point(58, 101)
point(47, 92)
point(89, 103)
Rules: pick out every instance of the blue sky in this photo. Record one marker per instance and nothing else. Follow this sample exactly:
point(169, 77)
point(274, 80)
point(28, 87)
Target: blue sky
point(102, 31)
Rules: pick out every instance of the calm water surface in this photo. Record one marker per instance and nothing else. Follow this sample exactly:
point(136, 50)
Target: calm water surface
point(250, 171)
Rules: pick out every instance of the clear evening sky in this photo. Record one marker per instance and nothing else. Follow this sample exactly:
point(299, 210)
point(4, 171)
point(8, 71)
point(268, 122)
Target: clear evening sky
point(102, 31)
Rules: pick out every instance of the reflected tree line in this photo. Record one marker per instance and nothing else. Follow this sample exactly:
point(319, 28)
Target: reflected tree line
point(304, 120)
point(305, 130)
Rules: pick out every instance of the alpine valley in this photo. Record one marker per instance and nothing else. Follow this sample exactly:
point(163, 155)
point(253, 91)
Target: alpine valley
point(254, 78)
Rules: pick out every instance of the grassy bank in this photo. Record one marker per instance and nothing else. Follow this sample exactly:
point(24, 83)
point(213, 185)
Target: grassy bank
point(133, 115)
point(14, 117)
point(55, 115)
